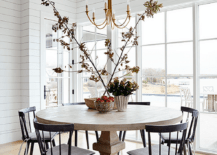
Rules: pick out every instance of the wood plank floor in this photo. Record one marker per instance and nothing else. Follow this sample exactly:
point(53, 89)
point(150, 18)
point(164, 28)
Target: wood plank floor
point(13, 148)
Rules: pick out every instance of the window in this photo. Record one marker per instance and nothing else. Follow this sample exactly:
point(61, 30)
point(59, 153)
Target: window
point(208, 75)
point(57, 85)
point(167, 57)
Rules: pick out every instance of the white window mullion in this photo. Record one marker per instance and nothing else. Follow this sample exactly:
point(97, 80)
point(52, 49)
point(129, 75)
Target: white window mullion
point(196, 69)
point(79, 83)
point(139, 61)
point(165, 22)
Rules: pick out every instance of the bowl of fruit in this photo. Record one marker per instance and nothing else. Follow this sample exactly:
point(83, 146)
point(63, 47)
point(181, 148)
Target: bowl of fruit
point(104, 104)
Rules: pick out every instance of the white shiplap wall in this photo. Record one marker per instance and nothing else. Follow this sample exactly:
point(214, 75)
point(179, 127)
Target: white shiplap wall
point(120, 7)
point(20, 58)
point(10, 95)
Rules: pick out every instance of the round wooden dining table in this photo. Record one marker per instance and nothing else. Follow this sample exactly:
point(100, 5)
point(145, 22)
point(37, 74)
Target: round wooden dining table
point(135, 118)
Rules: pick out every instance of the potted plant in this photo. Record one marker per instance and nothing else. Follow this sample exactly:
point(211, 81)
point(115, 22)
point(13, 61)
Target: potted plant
point(104, 104)
point(121, 91)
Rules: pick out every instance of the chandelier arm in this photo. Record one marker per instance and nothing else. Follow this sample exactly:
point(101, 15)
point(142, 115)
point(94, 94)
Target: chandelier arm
point(99, 24)
point(123, 22)
point(101, 27)
point(94, 22)
point(123, 26)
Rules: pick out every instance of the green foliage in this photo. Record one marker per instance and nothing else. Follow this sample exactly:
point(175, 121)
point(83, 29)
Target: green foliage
point(123, 87)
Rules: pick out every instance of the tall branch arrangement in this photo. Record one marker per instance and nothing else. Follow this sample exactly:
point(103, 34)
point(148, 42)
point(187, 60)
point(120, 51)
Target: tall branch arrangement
point(130, 37)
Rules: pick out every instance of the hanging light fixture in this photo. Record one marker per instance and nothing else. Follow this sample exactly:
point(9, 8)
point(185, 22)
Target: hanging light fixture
point(109, 16)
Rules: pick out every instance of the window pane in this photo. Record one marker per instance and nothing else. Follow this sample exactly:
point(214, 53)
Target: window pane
point(179, 92)
point(153, 90)
point(208, 57)
point(179, 25)
point(180, 59)
point(51, 63)
point(208, 116)
point(207, 14)
point(153, 60)
point(153, 27)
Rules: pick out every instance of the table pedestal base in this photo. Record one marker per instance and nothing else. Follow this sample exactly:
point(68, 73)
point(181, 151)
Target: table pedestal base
point(109, 143)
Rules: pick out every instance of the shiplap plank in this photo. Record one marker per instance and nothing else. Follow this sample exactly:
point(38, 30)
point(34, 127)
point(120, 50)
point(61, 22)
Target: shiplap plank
point(9, 113)
point(9, 32)
point(10, 106)
point(8, 127)
point(9, 66)
point(9, 19)
point(9, 5)
point(13, 13)
point(9, 45)
point(13, 99)
point(9, 59)
point(8, 93)
point(10, 26)
point(8, 52)
point(10, 39)
point(10, 80)
point(6, 120)
point(14, 1)
point(9, 86)
point(9, 73)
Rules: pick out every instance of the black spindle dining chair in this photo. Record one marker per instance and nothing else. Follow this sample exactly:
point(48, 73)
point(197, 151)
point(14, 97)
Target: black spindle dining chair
point(162, 149)
point(27, 133)
point(186, 112)
point(64, 149)
point(142, 132)
point(76, 131)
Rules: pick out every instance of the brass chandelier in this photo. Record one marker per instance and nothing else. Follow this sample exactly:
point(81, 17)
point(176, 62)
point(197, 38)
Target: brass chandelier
point(109, 16)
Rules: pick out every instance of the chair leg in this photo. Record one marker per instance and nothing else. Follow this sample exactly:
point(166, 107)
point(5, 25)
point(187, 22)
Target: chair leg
point(189, 149)
point(87, 139)
point(32, 148)
point(27, 148)
point(53, 141)
point(120, 135)
point(76, 138)
point(124, 135)
point(97, 136)
point(184, 149)
point(47, 145)
point(143, 137)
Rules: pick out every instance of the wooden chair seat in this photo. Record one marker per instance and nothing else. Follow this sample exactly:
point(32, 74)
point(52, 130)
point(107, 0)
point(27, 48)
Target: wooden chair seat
point(155, 150)
point(74, 150)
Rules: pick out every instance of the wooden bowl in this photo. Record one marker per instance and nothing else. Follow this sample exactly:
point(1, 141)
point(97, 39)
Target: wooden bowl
point(90, 102)
point(104, 107)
